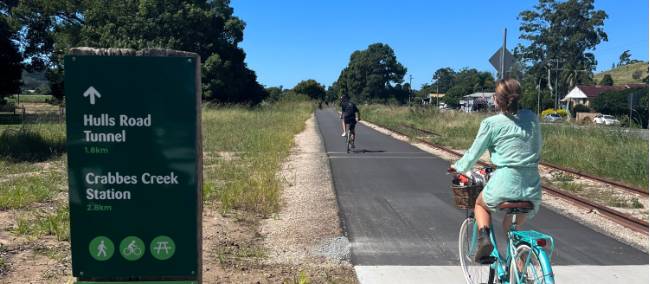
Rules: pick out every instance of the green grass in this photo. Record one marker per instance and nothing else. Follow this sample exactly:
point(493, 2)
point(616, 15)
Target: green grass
point(301, 278)
point(55, 224)
point(571, 186)
point(623, 74)
point(10, 168)
point(32, 142)
point(30, 98)
point(454, 129)
point(244, 148)
point(23, 191)
point(603, 152)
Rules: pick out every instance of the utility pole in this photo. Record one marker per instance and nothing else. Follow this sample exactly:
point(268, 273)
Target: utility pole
point(555, 102)
point(437, 95)
point(555, 89)
point(539, 89)
point(410, 87)
point(503, 54)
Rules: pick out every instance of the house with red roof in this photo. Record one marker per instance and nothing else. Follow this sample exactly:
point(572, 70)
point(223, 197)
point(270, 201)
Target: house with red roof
point(585, 94)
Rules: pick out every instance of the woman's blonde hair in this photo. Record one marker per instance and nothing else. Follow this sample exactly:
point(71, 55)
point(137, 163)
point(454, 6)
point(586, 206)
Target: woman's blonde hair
point(507, 94)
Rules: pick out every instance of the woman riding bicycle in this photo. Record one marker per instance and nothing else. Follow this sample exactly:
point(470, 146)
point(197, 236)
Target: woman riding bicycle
point(514, 140)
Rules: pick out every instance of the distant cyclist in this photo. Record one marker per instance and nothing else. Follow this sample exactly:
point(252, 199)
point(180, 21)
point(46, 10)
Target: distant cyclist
point(514, 140)
point(349, 116)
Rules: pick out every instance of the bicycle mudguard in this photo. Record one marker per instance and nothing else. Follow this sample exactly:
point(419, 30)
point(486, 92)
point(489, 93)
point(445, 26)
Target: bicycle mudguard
point(545, 262)
point(531, 238)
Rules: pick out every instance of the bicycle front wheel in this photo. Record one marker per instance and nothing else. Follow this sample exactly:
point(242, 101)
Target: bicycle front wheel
point(475, 273)
point(526, 267)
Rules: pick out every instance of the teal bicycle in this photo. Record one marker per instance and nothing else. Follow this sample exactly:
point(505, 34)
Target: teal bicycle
point(528, 253)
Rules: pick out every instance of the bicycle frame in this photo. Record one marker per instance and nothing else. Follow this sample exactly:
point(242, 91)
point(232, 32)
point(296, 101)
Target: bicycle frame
point(501, 266)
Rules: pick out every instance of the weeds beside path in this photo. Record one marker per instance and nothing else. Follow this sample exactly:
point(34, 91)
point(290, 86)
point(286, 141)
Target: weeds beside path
point(243, 150)
point(602, 152)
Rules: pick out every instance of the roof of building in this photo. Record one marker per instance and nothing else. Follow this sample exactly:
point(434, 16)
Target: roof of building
point(592, 91)
point(480, 95)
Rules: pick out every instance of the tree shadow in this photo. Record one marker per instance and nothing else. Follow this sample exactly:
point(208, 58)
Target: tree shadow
point(26, 145)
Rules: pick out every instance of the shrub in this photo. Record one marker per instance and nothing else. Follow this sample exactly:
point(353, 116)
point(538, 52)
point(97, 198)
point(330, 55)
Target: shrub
point(563, 113)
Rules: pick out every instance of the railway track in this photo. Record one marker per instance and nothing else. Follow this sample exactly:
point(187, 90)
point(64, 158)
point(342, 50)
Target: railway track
point(618, 217)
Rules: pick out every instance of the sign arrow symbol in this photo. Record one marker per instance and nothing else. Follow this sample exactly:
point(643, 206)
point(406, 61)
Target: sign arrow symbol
point(92, 93)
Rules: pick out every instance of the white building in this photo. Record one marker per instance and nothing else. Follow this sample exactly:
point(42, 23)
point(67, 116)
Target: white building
point(584, 94)
point(470, 102)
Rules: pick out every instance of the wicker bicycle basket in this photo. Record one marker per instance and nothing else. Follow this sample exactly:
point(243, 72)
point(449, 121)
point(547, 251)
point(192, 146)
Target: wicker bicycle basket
point(465, 196)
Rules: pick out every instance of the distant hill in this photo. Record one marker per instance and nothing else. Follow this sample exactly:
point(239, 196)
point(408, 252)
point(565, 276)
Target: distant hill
point(33, 81)
point(626, 73)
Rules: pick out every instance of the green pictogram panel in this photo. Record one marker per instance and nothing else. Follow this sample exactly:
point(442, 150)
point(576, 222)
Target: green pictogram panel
point(133, 166)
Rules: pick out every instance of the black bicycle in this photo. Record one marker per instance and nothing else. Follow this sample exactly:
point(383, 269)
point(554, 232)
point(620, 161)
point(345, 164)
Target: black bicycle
point(349, 138)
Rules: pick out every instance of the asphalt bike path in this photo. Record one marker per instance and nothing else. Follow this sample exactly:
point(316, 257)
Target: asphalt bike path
point(397, 210)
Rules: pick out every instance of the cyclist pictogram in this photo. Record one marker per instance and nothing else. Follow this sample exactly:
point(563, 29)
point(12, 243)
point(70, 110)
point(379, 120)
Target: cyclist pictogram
point(132, 248)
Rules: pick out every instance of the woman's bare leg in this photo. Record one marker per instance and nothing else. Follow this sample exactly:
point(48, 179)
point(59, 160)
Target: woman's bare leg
point(481, 213)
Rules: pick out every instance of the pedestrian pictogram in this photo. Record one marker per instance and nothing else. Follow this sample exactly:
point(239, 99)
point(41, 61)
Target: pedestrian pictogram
point(132, 248)
point(162, 247)
point(101, 248)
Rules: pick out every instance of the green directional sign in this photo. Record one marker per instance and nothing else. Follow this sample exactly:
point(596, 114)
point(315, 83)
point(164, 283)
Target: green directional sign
point(133, 130)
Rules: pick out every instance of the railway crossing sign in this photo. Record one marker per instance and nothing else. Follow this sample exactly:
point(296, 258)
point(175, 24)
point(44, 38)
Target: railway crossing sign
point(495, 60)
point(134, 167)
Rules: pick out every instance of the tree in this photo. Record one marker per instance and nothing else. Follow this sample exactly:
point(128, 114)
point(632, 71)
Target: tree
point(560, 34)
point(624, 58)
point(617, 102)
point(467, 81)
point(532, 88)
point(607, 80)
point(10, 59)
point(275, 93)
point(311, 88)
point(372, 74)
point(443, 79)
point(205, 27)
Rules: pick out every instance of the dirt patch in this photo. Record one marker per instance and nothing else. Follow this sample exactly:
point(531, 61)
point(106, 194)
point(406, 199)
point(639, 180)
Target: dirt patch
point(44, 260)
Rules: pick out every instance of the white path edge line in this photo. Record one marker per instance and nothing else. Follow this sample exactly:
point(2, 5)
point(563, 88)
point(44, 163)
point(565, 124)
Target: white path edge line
point(627, 274)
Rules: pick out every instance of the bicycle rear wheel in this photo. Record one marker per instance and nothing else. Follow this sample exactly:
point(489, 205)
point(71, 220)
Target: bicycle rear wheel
point(526, 268)
point(475, 273)
point(347, 141)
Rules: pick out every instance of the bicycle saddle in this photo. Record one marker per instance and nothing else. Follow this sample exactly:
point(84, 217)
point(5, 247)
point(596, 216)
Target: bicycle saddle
point(516, 206)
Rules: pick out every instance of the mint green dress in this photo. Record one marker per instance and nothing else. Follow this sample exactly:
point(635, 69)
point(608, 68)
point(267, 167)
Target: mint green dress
point(515, 143)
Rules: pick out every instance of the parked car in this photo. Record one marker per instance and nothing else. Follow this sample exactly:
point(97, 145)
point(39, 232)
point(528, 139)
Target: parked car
point(553, 117)
point(606, 119)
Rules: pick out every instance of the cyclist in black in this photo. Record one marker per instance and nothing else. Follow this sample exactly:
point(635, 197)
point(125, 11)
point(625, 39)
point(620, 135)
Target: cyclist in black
point(349, 116)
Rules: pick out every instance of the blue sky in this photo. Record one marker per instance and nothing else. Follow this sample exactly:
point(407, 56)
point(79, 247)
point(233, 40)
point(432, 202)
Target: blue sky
point(287, 41)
